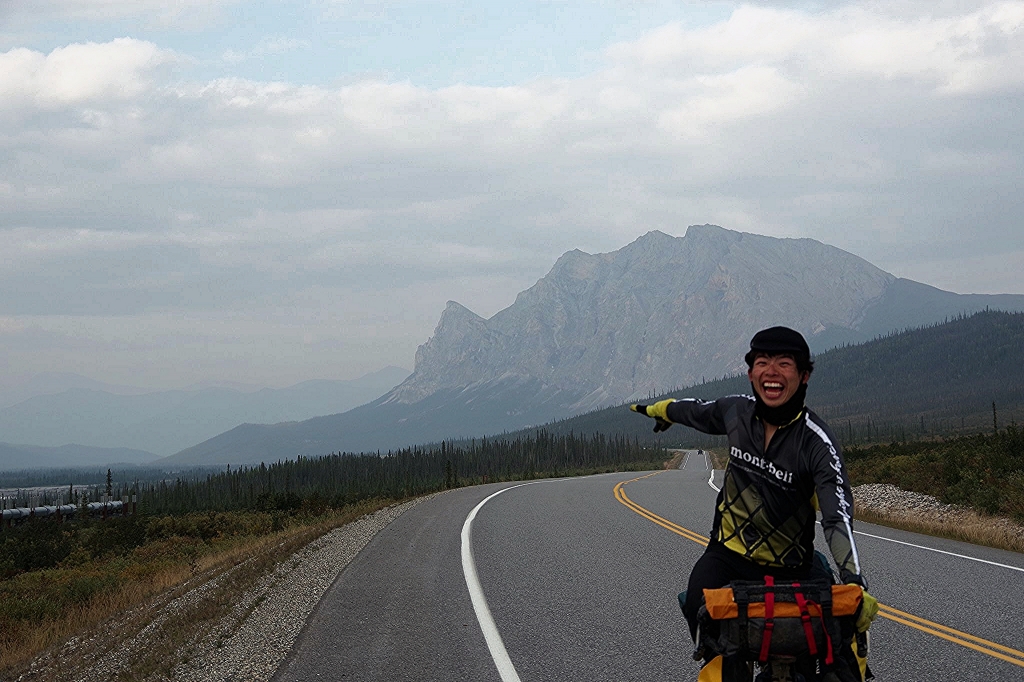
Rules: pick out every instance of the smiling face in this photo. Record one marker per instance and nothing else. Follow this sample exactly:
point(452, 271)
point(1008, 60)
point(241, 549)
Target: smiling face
point(776, 378)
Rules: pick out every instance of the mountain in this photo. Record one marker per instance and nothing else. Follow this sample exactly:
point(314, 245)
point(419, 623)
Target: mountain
point(667, 311)
point(165, 422)
point(18, 457)
point(382, 425)
point(602, 329)
point(16, 389)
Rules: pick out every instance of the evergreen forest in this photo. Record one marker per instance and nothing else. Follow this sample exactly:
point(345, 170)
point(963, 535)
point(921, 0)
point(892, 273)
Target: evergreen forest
point(341, 479)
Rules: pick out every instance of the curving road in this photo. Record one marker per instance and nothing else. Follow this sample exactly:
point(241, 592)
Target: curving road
point(581, 577)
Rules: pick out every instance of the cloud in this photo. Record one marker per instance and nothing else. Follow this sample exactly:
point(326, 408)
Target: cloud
point(75, 75)
point(716, 101)
point(986, 274)
point(963, 54)
point(977, 51)
point(675, 93)
point(128, 193)
point(750, 35)
point(10, 325)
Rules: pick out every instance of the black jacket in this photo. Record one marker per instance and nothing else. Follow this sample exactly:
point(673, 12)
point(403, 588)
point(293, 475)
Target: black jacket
point(766, 508)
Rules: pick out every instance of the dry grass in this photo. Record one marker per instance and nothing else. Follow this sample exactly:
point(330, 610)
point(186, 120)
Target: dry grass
point(719, 457)
point(27, 641)
point(194, 620)
point(152, 578)
point(677, 459)
point(966, 526)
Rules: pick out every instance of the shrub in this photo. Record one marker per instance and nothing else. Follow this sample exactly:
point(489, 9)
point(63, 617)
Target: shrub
point(985, 472)
point(114, 537)
point(32, 546)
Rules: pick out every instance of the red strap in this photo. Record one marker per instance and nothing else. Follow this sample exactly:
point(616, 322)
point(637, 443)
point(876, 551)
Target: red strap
point(828, 640)
point(805, 618)
point(769, 619)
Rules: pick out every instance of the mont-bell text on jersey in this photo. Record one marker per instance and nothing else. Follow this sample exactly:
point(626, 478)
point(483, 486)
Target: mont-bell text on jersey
point(760, 462)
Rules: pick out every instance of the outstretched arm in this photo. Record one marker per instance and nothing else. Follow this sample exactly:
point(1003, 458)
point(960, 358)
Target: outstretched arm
point(706, 416)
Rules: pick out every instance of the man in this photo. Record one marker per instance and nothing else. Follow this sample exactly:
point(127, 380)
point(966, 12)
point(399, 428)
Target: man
point(783, 463)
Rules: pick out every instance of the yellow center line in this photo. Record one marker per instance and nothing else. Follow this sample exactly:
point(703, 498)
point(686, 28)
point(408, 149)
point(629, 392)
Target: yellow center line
point(620, 495)
point(984, 646)
point(955, 636)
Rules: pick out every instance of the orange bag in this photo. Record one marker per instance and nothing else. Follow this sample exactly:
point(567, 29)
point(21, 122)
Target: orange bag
point(722, 605)
point(791, 619)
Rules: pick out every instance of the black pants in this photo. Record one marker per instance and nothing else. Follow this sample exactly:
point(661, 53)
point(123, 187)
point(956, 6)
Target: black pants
point(719, 566)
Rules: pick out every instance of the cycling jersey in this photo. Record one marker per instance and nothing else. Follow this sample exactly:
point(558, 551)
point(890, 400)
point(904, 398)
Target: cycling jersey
point(766, 508)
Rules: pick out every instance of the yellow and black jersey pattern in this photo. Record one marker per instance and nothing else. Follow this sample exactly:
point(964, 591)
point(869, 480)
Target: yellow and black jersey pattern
point(745, 526)
point(766, 508)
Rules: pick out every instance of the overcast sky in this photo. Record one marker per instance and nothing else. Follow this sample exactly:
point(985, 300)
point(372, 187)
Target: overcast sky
point(277, 191)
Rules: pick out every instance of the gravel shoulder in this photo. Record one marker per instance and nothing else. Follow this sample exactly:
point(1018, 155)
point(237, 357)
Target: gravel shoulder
point(252, 642)
point(887, 504)
point(249, 643)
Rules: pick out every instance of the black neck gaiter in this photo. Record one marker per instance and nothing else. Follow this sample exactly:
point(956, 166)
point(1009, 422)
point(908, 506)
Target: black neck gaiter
point(783, 414)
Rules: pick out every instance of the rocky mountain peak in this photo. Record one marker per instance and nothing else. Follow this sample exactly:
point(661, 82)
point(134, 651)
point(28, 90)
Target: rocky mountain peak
point(661, 312)
point(574, 264)
point(456, 314)
point(460, 339)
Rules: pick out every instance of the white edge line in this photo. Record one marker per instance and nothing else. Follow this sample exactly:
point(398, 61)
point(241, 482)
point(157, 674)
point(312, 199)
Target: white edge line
point(711, 482)
point(495, 645)
point(940, 551)
point(506, 670)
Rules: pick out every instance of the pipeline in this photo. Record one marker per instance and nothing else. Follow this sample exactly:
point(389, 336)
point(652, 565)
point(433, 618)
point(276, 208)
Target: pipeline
point(62, 510)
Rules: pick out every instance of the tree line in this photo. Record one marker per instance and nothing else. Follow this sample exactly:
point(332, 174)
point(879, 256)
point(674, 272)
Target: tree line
point(340, 479)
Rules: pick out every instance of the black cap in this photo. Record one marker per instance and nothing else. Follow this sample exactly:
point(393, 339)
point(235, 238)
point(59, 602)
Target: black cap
point(777, 341)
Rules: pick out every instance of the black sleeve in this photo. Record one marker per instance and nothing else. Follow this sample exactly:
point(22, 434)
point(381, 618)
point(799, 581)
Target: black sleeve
point(835, 498)
point(702, 415)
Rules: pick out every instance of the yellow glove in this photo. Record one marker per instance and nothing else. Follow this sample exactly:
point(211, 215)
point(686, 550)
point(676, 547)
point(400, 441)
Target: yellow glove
point(868, 611)
point(657, 411)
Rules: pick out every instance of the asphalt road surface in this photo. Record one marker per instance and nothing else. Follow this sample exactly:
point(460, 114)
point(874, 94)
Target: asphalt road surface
point(580, 576)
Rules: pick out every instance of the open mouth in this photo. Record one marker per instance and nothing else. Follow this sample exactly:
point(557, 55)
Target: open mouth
point(772, 390)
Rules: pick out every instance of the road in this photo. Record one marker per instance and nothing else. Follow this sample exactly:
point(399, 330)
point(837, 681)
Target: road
point(580, 576)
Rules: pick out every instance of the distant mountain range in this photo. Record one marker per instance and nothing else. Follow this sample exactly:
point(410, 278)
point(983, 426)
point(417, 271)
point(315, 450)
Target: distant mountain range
point(16, 457)
point(155, 424)
point(16, 389)
point(602, 329)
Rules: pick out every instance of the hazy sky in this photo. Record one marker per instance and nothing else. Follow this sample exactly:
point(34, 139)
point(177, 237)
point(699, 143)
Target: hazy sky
point(277, 191)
